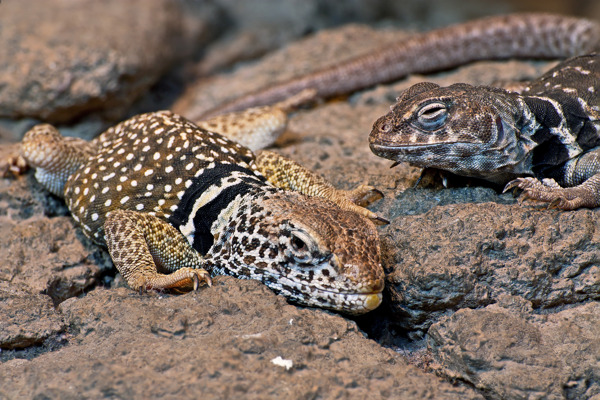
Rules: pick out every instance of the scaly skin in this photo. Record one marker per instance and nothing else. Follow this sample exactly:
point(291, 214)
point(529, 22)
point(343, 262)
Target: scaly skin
point(174, 202)
point(546, 139)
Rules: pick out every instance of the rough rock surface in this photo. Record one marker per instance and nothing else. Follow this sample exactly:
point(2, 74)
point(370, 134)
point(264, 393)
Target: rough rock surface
point(61, 59)
point(453, 257)
point(211, 344)
point(504, 295)
point(514, 354)
point(41, 248)
point(26, 319)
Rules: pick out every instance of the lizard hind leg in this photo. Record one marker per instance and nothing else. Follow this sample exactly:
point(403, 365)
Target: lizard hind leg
point(151, 254)
point(53, 156)
point(256, 127)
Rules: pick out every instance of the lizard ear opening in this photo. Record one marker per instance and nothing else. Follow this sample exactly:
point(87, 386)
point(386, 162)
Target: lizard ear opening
point(431, 116)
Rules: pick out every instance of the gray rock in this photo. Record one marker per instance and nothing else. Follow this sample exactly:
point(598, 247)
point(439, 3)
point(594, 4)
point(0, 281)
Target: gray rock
point(322, 49)
point(220, 342)
point(511, 355)
point(60, 59)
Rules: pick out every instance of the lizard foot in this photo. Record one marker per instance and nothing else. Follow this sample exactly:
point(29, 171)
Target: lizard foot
point(363, 195)
point(358, 199)
point(548, 191)
point(14, 165)
point(182, 280)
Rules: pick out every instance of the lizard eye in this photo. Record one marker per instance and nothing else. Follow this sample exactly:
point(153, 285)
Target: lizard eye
point(432, 116)
point(299, 245)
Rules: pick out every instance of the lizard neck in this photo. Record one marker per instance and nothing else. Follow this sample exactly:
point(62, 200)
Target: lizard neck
point(555, 140)
point(212, 200)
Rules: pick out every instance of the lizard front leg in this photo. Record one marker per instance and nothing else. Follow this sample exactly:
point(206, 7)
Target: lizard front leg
point(143, 246)
point(581, 174)
point(288, 174)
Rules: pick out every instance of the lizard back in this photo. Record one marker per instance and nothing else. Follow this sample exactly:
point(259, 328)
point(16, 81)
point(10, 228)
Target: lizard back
point(566, 101)
point(163, 165)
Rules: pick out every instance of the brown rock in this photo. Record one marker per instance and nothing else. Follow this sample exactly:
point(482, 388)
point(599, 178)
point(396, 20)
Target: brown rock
point(26, 319)
point(62, 58)
point(446, 251)
point(44, 254)
point(510, 355)
point(213, 343)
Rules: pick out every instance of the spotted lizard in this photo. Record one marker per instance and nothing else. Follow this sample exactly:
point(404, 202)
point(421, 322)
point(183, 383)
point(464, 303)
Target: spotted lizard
point(175, 203)
point(523, 35)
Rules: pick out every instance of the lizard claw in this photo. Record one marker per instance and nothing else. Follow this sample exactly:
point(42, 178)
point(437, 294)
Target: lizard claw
point(13, 165)
point(380, 221)
point(520, 183)
point(205, 277)
point(363, 195)
point(555, 196)
point(556, 203)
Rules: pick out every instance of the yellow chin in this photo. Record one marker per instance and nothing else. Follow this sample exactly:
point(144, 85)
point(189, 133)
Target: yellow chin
point(373, 301)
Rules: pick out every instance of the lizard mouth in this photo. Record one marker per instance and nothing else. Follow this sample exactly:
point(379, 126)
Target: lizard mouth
point(344, 301)
point(348, 303)
point(385, 147)
point(365, 302)
point(414, 152)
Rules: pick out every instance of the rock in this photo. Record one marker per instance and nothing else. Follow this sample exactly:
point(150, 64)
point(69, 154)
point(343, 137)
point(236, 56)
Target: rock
point(494, 287)
point(48, 256)
point(510, 355)
point(77, 57)
point(322, 49)
point(26, 319)
point(468, 254)
point(264, 25)
point(219, 342)
point(45, 251)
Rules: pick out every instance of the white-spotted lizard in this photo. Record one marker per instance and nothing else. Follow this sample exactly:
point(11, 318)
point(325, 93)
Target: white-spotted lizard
point(174, 202)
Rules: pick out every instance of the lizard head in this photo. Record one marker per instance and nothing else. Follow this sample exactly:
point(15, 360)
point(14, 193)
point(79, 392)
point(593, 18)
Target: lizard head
point(306, 249)
point(467, 130)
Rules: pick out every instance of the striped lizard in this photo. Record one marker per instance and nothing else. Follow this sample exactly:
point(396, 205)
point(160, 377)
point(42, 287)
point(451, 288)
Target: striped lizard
point(175, 203)
point(544, 140)
point(524, 35)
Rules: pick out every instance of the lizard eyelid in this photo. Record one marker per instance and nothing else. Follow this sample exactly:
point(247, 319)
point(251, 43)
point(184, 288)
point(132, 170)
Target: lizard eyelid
point(431, 116)
point(299, 245)
point(432, 110)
